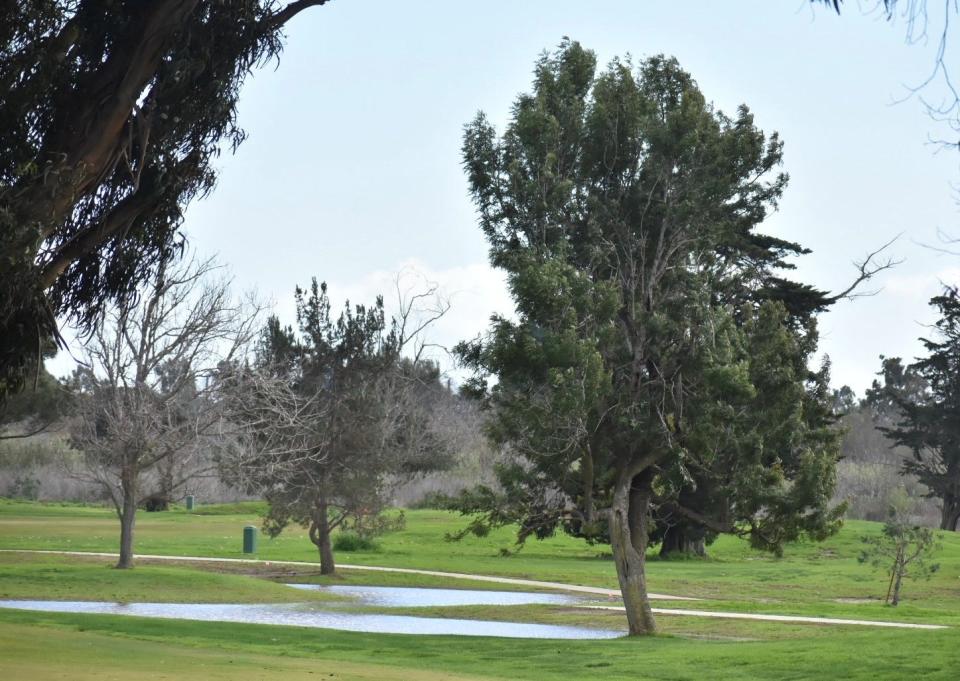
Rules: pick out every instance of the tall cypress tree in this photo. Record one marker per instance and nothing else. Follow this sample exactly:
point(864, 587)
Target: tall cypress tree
point(657, 341)
point(923, 401)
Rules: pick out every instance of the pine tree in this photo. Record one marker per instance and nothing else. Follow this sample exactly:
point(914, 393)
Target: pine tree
point(923, 402)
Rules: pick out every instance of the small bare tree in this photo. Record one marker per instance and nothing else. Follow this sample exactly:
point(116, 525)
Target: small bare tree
point(902, 550)
point(143, 405)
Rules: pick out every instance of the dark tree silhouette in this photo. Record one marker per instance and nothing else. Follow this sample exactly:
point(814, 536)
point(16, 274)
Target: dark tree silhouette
point(110, 118)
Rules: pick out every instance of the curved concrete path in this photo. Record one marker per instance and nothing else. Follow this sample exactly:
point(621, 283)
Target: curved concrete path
point(575, 588)
point(594, 590)
point(797, 619)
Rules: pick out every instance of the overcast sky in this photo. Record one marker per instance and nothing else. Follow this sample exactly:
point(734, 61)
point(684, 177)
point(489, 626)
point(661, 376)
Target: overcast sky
point(352, 172)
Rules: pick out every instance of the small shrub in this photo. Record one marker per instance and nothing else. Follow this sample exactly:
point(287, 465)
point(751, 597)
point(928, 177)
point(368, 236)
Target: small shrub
point(902, 551)
point(351, 541)
point(154, 503)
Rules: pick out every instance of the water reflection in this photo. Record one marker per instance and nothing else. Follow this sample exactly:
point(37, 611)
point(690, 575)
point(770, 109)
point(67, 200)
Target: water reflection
point(410, 597)
point(312, 615)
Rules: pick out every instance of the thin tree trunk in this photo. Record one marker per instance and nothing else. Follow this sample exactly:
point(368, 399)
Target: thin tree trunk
point(896, 586)
point(320, 536)
point(893, 574)
point(629, 526)
point(128, 517)
point(898, 570)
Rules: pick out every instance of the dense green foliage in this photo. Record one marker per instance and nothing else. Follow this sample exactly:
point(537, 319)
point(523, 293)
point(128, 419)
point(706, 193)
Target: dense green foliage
point(333, 413)
point(658, 359)
point(922, 403)
point(111, 118)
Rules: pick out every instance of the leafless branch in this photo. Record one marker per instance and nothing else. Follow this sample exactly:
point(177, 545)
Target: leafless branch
point(947, 243)
point(867, 269)
point(146, 404)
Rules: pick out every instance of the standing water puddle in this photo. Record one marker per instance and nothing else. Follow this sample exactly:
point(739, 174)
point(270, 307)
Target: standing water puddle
point(409, 597)
point(314, 615)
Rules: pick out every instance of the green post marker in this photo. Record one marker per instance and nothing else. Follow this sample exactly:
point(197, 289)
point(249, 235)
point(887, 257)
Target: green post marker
point(250, 539)
point(189, 502)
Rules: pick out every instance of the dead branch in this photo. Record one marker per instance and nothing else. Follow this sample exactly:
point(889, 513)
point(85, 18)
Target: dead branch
point(867, 269)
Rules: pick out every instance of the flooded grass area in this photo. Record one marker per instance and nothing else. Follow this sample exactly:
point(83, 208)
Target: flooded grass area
point(410, 597)
point(310, 615)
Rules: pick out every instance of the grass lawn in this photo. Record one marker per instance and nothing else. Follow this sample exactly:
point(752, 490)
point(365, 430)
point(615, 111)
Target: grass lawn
point(811, 579)
point(27, 576)
point(46, 645)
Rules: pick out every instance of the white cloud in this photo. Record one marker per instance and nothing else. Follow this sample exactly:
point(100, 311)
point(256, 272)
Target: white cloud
point(475, 292)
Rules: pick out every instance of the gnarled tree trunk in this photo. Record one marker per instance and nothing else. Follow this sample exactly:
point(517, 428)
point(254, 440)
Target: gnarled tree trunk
point(629, 529)
point(950, 515)
point(899, 567)
point(320, 536)
point(683, 540)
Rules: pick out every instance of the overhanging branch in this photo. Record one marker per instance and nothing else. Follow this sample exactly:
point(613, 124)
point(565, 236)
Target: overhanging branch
point(281, 17)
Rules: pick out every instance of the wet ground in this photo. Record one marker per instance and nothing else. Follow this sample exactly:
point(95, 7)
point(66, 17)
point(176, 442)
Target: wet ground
point(328, 617)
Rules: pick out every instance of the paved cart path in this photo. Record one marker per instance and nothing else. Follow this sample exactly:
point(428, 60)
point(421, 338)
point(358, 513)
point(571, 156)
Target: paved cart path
point(559, 586)
point(796, 619)
point(577, 588)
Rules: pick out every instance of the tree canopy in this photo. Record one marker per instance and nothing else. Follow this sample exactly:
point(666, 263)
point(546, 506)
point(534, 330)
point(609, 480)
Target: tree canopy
point(111, 116)
point(922, 402)
point(657, 341)
point(333, 414)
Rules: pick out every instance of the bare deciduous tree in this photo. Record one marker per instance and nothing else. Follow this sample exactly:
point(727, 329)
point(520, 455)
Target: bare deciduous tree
point(143, 394)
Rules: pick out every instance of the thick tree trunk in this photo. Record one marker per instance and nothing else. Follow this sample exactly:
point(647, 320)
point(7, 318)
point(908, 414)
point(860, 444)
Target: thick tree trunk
point(320, 536)
point(950, 515)
point(629, 526)
point(684, 541)
point(128, 517)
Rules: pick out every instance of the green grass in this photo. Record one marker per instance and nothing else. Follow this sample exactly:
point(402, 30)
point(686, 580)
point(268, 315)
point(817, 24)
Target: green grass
point(808, 580)
point(811, 579)
point(26, 576)
point(147, 643)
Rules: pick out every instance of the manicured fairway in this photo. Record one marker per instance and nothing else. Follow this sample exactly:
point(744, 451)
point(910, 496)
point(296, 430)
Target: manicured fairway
point(812, 579)
point(818, 579)
point(164, 649)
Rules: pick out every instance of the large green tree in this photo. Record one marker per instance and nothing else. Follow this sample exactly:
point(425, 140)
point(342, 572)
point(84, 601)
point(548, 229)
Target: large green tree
point(656, 340)
point(922, 404)
point(111, 116)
